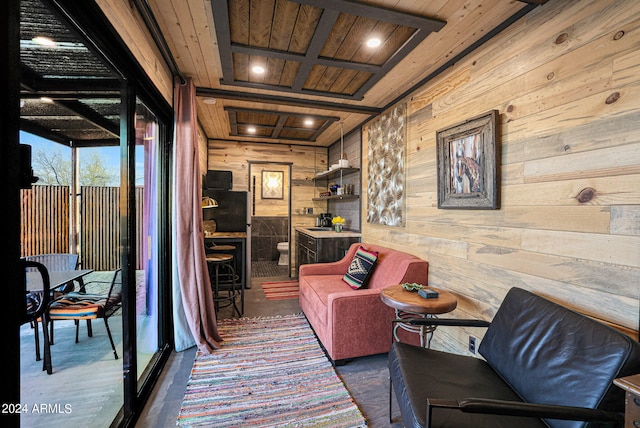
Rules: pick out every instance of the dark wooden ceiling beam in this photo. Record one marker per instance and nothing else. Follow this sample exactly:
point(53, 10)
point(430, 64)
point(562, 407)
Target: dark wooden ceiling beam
point(32, 81)
point(278, 128)
point(331, 10)
point(482, 40)
point(290, 89)
point(279, 113)
point(223, 34)
point(233, 122)
point(291, 101)
point(98, 142)
point(323, 29)
point(416, 38)
point(378, 13)
point(41, 131)
point(290, 56)
point(92, 117)
point(320, 130)
point(70, 95)
point(262, 137)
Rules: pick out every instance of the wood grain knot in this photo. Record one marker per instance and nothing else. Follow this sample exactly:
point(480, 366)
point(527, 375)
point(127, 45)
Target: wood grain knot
point(551, 75)
point(510, 108)
point(562, 38)
point(618, 35)
point(586, 195)
point(613, 98)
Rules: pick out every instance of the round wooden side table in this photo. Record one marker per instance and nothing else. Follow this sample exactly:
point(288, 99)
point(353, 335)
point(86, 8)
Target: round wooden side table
point(408, 304)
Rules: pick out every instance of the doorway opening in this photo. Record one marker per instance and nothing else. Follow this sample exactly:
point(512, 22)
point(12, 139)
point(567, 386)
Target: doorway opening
point(270, 184)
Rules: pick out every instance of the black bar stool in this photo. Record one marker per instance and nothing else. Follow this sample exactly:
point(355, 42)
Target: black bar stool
point(214, 248)
point(224, 281)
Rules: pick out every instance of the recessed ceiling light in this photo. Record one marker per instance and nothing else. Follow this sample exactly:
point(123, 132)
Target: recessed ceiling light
point(251, 130)
point(44, 41)
point(374, 42)
point(210, 101)
point(258, 69)
point(46, 100)
point(308, 122)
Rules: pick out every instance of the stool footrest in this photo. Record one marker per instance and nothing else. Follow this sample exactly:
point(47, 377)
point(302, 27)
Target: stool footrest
point(224, 281)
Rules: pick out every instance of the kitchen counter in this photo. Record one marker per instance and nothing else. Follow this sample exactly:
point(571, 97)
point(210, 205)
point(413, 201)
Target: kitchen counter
point(226, 235)
point(314, 232)
point(323, 244)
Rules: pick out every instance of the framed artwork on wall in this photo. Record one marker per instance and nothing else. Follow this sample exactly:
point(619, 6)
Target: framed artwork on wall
point(467, 157)
point(272, 185)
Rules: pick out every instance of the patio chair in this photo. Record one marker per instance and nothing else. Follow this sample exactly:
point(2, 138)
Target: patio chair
point(58, 262)
point(78, 306)
point(53, 262)
point(37, 302)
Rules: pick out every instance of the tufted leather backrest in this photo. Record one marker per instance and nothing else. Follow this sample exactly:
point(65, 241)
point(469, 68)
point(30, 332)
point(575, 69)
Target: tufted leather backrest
point(552, 355)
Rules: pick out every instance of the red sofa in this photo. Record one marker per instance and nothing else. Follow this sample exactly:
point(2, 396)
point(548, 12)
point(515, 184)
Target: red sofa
point(353, 323)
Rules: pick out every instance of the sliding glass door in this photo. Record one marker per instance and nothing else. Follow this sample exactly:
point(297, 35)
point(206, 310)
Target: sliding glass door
point(122, 225)
point(148, 180)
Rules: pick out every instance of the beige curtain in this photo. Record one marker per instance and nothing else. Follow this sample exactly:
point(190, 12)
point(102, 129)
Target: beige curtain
point(194, 286)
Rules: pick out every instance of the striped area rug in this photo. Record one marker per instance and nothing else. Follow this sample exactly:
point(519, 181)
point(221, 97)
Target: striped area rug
point(269, 372)
point(281, 290)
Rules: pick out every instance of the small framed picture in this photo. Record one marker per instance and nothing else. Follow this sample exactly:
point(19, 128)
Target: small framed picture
point(272, 185)
point(467, 164)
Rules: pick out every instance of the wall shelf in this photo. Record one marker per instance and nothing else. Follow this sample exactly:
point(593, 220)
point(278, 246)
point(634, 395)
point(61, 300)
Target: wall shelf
point(326, 175)
point(337, 197)
point(335, 173)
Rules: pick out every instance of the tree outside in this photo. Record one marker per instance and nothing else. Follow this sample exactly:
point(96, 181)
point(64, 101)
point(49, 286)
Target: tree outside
point(53, 167)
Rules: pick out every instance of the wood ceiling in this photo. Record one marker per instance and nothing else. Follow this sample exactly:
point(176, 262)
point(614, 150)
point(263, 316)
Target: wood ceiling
point(316, 64)
point(319, 76)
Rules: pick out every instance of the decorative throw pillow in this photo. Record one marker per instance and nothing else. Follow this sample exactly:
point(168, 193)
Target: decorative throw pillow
point(360, 268)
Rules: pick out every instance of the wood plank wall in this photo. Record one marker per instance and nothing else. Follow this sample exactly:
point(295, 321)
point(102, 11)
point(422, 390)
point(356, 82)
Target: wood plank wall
point(307, 161)
point(45, 224)
point(566, 82)
point(44, 214)
point(100, 228)
point(202, 151)
point(270, 207)
point(124, 17)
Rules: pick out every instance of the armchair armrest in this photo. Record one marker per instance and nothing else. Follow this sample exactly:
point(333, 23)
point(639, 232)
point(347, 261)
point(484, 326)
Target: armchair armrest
point(512, 408)
point(455, 322)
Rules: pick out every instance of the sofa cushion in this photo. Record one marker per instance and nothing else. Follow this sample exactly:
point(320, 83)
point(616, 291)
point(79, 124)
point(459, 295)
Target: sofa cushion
point(315, 292)
point(360, 268)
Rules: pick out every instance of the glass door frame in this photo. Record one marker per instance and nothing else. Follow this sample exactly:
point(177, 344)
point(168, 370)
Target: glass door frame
point(90, 21)
point(10, 317)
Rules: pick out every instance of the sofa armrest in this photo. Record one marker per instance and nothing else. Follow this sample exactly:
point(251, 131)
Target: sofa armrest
point(331, 268)
point(455, 322)
point(513, 408)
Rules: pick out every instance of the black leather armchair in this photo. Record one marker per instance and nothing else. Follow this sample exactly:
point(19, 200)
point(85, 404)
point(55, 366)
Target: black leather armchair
point(544, 365)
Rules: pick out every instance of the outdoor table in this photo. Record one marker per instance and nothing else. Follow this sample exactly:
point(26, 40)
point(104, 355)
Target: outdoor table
point(57, 280)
